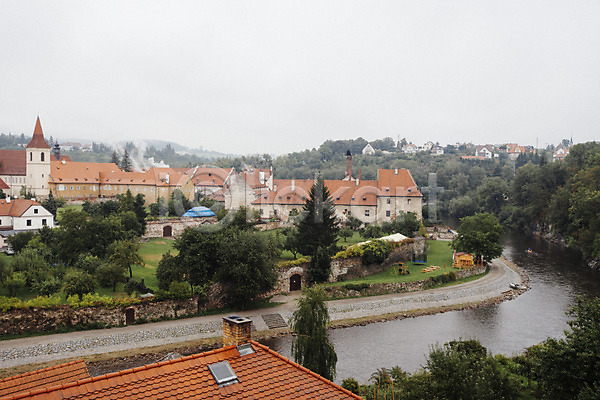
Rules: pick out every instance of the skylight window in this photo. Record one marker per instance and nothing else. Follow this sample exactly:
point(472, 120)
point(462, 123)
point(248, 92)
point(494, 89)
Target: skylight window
point(223, 373)
point(245, 349)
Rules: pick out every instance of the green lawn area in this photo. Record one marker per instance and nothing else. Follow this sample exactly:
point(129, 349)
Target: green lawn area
point(355, 238)
point(438, 253)
point(61, 210)
point(151, 252)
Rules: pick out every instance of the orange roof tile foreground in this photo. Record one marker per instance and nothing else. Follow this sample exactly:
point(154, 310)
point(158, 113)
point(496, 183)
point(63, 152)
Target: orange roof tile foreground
point(262, 374)
point(52, 376)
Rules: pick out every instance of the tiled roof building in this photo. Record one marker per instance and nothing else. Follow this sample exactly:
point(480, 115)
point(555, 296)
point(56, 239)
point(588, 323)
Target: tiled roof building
point(47, 377)
point(243, 369)
point(393, 192)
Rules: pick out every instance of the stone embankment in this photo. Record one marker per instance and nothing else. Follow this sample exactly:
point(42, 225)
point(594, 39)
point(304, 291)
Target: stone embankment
point(491, 288)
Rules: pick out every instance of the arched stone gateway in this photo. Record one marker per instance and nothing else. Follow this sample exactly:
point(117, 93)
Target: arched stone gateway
point(295, 282)
point(168, 231)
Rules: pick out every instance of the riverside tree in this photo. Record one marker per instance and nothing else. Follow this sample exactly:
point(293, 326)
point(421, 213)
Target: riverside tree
point(480, 235)
point(311, 347)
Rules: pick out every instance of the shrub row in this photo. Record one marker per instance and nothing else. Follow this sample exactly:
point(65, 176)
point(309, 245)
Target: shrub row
point(88, 300)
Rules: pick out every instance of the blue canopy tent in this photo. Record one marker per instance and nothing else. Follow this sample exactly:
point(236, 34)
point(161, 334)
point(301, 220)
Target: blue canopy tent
point(199, 212)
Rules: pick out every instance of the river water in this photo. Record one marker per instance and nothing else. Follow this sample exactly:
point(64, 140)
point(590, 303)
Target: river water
point(558, 275)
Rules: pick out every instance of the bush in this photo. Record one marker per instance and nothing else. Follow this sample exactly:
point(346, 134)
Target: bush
point(133, 285)
point(351, 385)
point(179, 290)
point(50, 286)
point(375, 252)
point(79, 283)
point(356, 286)
point(291, 263)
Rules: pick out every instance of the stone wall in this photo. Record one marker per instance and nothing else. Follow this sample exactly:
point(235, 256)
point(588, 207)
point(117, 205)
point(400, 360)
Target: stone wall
point(375, 289)
point(155, 229)
point(20, 321)
point(342, 269)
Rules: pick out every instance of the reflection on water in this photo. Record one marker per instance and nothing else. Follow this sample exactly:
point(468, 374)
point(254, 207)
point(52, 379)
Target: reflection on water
point(557, 276)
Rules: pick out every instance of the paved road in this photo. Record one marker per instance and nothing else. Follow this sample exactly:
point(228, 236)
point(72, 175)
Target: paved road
point(78, 344)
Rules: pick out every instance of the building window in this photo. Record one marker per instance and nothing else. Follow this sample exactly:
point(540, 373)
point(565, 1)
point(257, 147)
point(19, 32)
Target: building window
point(261, 211)
point(44, 222)
point(43, 155)
point(30, 156)
point(28, 222)
point(77, 187)
point(367, 213)
point(35, 210)
point(408, 201)
point(387, 213)
point(388, 201)
point(71, 187)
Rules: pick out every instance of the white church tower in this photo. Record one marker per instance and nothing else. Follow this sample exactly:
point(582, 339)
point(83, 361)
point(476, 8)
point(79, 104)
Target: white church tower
point(38, 163)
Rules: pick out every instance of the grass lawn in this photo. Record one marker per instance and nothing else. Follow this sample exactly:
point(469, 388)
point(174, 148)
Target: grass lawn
point(438, 253)
point(355, 238)
point(61, 210)
point(151, 252)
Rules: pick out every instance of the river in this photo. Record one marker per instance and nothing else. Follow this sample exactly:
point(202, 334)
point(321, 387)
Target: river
point(558, 275)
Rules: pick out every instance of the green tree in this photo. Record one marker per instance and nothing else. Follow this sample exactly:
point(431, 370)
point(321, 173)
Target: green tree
point(318, 227)
point(125, 162)
point(311, 347)
point(480, 235)
point(79, 283)
point(568, 368)
point(290, 241)
point(345, 233)
point(50, 204)
point(19, 241)
point(319, 268)
point(247, 265)
point(492, 195)
point(463, 370)
point(109, 274)
point(124, 254)
point(169, 270)
point(14, 282)
point(115, 158)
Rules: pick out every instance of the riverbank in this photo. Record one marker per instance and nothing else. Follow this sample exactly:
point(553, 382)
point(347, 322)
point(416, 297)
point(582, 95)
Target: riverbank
point(139, 344)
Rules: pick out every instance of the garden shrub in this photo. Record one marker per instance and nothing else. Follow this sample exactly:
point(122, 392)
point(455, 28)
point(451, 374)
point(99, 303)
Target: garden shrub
point(356, 286)
point(375, 252)
point(291, 263)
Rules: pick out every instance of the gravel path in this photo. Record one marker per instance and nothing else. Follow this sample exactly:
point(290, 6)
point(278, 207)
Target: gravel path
point(78, 344)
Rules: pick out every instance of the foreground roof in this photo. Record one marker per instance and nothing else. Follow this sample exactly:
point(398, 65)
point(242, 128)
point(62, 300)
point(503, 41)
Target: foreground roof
point(262, 374)
point(52, 376)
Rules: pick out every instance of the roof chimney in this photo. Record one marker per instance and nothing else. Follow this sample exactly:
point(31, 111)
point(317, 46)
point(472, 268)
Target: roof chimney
point(348, 165)
point(57, 151)
point(8, 199)
point(236, 330)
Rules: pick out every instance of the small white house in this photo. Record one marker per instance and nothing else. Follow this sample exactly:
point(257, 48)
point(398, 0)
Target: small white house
point(23, 215)
point(368, 150)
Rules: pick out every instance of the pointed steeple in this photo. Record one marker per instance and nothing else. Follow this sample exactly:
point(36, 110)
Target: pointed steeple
point(38, 141)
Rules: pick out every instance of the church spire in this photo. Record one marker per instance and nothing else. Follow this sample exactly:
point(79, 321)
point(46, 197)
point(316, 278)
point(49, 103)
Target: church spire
point(38, 141)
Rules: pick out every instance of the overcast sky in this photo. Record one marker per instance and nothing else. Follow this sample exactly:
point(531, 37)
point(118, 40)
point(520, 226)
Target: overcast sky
point(278, 76)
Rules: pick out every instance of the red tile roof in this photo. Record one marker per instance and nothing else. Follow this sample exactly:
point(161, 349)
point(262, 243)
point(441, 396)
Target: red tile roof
point(38, 141)
point(47, 377)
point(263, 374)
point(390, 183)
point(3, 185)
point(211, 176)
point(13, 162)
point(15, 207)
point(66, 171)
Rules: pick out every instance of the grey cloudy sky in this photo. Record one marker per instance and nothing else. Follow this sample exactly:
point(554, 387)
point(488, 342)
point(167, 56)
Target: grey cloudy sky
point(280, 76)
